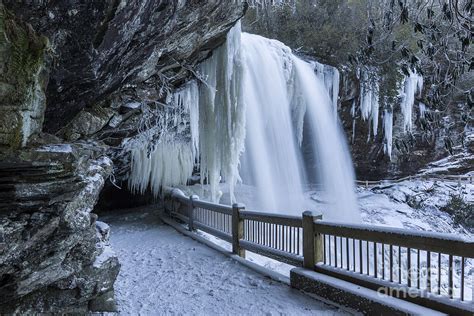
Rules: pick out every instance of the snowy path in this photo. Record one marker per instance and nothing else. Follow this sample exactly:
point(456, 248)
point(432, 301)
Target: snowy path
point(165, 272)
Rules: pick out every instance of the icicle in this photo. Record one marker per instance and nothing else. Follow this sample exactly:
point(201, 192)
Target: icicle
point(353, 110)
point(330, 77)
point(369, 98)
point(412, 85)
point(422, 108)
point(170, 163)
point(188, 98)
point(388, 132)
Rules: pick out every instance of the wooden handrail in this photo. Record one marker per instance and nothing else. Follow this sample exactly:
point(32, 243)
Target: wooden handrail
point(435, 242)
point(306, 241)
point(294, 221)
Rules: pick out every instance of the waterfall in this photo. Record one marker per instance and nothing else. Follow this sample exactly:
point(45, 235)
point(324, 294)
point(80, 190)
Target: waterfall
point(271, 160)
point(284, 95)
point(255, 98)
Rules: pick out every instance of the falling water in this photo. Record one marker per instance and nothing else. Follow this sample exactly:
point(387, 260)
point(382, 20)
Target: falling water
point(271, 159)
point(281, 94)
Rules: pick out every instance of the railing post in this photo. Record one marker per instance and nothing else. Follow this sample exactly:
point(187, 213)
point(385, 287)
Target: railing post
point(312, 242)
point(237, 229)
point(191, 212)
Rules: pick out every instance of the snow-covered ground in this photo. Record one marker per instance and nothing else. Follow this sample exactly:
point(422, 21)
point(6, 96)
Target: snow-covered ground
point(164, 272)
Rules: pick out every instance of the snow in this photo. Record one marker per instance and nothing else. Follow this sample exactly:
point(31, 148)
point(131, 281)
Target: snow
point(388, 205)
point(164, 272)
point(132, 105)
point(106, 254)
point(380, 298)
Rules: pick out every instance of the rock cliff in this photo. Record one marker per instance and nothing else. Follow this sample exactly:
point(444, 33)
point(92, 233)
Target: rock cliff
point(71, 74)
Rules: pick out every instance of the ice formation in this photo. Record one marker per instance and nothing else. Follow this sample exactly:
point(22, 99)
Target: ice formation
point(388, 132)
point(222, 114)
point(422, 108)
point(330, 77)
point(369, 97)
point(412, 84)
point(216, 120)
point(169, 160)
point(253, 93)
point(369, 103)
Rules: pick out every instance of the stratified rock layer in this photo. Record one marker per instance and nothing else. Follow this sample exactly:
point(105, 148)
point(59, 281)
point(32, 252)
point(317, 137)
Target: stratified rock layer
point(51, 255)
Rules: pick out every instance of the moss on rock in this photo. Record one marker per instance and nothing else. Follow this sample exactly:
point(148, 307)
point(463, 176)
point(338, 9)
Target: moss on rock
point(22, 54)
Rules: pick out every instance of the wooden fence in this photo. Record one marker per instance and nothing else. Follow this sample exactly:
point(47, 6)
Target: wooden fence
point(426, 268)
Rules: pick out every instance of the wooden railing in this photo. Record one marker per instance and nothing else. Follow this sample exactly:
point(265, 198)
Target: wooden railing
point(427, 268)
point(279, 237)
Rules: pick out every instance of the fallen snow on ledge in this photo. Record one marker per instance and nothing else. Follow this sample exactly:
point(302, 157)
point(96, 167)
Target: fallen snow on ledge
point(164, 272)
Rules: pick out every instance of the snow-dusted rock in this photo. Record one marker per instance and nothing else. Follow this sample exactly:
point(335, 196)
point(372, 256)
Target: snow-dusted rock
point(56, 257)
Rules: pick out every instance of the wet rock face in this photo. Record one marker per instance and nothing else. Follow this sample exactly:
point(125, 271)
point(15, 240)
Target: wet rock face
point(22, 80)
point(101, 46)
point(52, 255)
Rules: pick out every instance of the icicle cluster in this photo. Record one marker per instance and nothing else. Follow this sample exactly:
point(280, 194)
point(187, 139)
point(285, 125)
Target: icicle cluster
point(412, 84)
point(330, 77)
point(170, 163)
point(222, 114)
point(188, 98)
point(369, 97)
point(163, 154)
point(369, 103)
point(212, 113)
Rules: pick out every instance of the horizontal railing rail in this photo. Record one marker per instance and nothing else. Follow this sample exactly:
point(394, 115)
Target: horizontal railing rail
point(431, 267)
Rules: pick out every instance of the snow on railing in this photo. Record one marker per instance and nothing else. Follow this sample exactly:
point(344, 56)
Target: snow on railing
point(429, 269)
